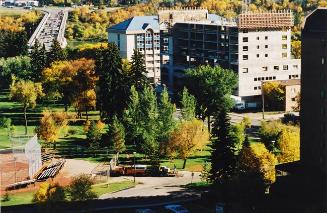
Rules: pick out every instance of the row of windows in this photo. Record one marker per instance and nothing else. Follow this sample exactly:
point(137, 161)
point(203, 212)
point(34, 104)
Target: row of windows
point(246, 48)
point(293, 76)
point(265, 78)
point(246, 57)
point(257, 88)
point(246, 39)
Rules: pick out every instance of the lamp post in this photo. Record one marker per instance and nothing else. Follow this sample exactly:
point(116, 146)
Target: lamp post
point(134, 166)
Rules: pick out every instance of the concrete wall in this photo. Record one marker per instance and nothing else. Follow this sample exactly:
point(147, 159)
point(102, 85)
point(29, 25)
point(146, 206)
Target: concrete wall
point(291, 93)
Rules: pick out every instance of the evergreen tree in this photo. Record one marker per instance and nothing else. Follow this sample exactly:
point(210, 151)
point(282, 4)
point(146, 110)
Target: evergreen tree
point(113, 83)
point(38, 60)
point(56, 53)
point(188, 103)
point(166, 119)
point(117, 135)
point(222, 158)
point(138, 70)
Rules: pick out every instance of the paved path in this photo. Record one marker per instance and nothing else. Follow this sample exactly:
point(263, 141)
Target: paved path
point(157, 186)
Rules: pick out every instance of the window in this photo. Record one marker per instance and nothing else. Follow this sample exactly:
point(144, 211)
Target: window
point(258, 47)
point(284, 46)
point(245, 70)
point(295, 66)
point(245, 57)
point(293, 99)
point(284, 55)
point(323, 60)
point(265, 68)
point(245, 39)
point(266, 55)
point(289, 77)
point(255, 79)
point(118, 40)
point(284, 37)
point(274, 77)
point(270, 78)
point(259, 79)
point(258, 38)
point(266, 37)
point(266, 46)
point(258, 55)
point(276, 68)
point(255, 88)
point(267, 78)
point(245, 48)
point(285, 67)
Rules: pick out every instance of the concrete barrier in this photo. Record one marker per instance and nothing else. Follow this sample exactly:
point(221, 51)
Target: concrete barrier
point(31, 41)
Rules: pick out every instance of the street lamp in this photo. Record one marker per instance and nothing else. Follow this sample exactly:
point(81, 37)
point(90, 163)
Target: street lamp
point(134, 166)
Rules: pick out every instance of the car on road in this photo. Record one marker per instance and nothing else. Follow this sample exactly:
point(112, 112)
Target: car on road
point(176, 208)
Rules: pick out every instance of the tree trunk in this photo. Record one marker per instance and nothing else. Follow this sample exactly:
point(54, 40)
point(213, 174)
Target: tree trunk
point(66, 107)
point(25, 117)
point(209, 124)
point(54, 145)
point(184, 164)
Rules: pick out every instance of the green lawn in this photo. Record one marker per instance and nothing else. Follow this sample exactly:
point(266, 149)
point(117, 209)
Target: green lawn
point(11, 11)
point(75, 43)
point(99, 189)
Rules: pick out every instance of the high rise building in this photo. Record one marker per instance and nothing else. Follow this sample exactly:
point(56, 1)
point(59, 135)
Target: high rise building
point(314, 94)
point(141, 33)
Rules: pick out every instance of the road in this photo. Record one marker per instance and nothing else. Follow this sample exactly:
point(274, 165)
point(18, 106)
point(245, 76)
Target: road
point(157, 186)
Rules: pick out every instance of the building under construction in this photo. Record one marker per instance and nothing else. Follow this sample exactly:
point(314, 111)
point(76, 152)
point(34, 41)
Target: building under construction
point(257, 46)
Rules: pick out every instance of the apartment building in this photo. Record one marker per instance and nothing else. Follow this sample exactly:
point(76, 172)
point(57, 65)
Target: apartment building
point(264, 51)
point(257, 46)
point(141, 33)
point(314, 95)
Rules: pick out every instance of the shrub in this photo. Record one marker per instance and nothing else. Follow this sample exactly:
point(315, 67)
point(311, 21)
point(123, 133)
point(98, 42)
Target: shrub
point(80, 188)
point(49, 193)
point(5, 122)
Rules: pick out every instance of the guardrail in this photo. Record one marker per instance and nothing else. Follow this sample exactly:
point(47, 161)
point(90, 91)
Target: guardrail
point(61, 35)
point(37, 31)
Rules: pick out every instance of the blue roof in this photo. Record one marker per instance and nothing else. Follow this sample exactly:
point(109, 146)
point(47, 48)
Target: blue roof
point(137, 23)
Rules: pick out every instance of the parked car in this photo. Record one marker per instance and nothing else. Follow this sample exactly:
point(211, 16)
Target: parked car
point(176, 208)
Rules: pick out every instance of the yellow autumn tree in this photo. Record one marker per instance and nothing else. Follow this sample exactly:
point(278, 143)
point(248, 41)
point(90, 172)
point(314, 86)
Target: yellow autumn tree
point(289, 144)
point(296, 48)
point(49, 194)
point(188, 137)
point(274, 95)
point(52, 126)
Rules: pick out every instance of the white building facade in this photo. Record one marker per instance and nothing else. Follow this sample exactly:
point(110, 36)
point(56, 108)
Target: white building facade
point(141, 33)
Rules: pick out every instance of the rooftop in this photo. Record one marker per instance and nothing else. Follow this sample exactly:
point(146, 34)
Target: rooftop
point(313, 22)
point(137, 23)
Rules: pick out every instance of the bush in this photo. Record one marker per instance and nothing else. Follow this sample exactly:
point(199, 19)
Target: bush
point(49, 193)
point(6, 197)
point(5, 122)
point(80, 188)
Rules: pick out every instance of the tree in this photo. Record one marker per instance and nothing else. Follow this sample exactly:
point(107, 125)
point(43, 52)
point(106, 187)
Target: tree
point(56, 53)
point(138, 71)
point(212, 87)
point(223, 161)
point(187, 138)
point(94, 134)
point(19, 66)
point(257, 169)
point(80, 189)
point(52, 125)
point(237, 133)
point(117, 135)
point(289, 144)
point(27, 93)
point(166, 120)
point(298, 102)
point(38, 59)
point(274, 95)
point(269, 133)
point(113, 83)
point(188, 105)
point(296, 49)
point(72, 81)
point(49, 194)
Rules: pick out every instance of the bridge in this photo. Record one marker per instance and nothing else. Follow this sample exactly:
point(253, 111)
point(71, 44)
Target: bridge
point(52, 26)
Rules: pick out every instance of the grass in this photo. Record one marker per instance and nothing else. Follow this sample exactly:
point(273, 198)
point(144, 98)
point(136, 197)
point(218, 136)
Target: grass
point(11, 11)
point(103, 188)
point(99, 189)
point(198, 185)
point(75, 43)
point(19, 199)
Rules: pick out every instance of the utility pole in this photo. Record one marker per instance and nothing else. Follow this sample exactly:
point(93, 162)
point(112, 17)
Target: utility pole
point(263, 101)
point(134, 166)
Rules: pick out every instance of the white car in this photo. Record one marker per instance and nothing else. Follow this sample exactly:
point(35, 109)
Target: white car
point(176, 208)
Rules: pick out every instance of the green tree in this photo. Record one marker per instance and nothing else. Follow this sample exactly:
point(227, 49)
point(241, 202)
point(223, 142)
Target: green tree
point(80, 189)
point(138, 71)
point(117, 135)
point(223, 161)
point(56, 53)
point(212, 87)
point(94, 134)
point(38, 59)
point(19, 66)
point(188, 105)
point(166, 120)
point(113, 83)
point(27, 93)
